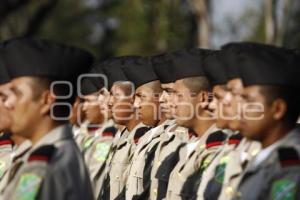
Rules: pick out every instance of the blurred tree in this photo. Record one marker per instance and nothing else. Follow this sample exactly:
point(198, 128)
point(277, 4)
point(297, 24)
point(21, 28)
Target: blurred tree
point(202, 11)
point(105, 27)
point(271, 21)
point(142, 27)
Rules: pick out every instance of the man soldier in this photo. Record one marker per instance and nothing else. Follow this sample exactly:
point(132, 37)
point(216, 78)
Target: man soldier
point(6, 143)
point(271, 77)
point(138, 183)
point(174, 136)
point(53, 168)
point(97, 143)
point(146, 103)
point(193, 87)
point(94, 106)
point(232, 165)
point(12, 147)
point(216, 74)
point(121, 154)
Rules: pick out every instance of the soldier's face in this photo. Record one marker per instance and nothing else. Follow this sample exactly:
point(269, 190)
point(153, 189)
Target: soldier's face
point(258, 115)
point(185, 104)
point(26, 111)
point(232, 106)
point(121, 105)
point(146, 103)
point(217, 104)
point(77, 116)
point(6, 101)
point(91, 109)
point(166, 102)
point(103, 99)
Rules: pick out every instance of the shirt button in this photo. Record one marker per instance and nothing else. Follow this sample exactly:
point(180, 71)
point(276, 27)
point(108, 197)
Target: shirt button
point(229, 191)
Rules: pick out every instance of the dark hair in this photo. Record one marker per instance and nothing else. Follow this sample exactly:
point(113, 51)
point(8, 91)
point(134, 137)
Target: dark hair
point(40, 84)
point(197, 84)
point(289, 95)
point(126, 86)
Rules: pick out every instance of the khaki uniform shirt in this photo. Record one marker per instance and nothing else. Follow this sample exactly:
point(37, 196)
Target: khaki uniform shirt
point(170, 140)
point(238, 159)
point(15, 159)
point(96, 152)
point(119, 162)
point(215, 170)
point(52, 169)
point(274, 172)
point(136, 184)
point(6, 150)
point(188, 164)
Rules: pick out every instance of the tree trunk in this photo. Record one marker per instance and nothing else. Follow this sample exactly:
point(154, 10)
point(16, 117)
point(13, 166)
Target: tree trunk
point(270, 21)
point(200, 9)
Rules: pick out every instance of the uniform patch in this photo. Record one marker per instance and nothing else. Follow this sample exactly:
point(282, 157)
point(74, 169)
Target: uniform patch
point(101, 152)
point(288, 156)
point(284, 190)
point(28, 187)
point(2, 167)
point(215, 139)
point(43, 153)
point(139, 133)
point(88, 143)
point(220, 169)
point(109, 132)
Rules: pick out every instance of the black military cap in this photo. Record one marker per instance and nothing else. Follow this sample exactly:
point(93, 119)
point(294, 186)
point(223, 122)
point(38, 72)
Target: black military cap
point(33, 57)
point(229, 56)
point(265, 65)
point(162, 65)
point(188, 63)
point(4, 77)
point(88, 86)
point(95, 79)
point(139, 71)
point(114, 72)
point(214, 68)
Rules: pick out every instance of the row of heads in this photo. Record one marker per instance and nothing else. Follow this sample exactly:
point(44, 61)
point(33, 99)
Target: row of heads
point(255, 64)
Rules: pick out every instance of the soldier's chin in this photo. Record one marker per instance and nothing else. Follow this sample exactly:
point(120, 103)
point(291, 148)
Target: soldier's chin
point(183, 123)
point(18, 132)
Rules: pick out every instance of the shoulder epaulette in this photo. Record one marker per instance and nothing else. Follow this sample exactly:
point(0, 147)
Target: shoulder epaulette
point(235, 139)
point(166, 126)
point(43, 153)
point(215, 139)
point(5, 139)
point(288, 156)
point(191, 133)
point(139, 133)
point(109, 132)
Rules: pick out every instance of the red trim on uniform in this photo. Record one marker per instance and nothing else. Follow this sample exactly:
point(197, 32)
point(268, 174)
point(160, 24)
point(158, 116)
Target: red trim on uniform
point(234, 141)
point(290, 162)
point(136, 140)
point(107, 134)
point(38, 158)
point(4, 142)
point(191, 134)
point(212, 144)
point(93, 129)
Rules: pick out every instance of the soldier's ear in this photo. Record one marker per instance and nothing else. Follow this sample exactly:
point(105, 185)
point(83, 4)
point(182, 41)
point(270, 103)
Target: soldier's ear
point(279, 108)
point(203, 99)
point(47, 99)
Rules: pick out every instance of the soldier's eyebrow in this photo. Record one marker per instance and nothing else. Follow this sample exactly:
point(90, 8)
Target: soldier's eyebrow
point(15, 90)
point(138, 94)
point(217, 95)
point(169, 90)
